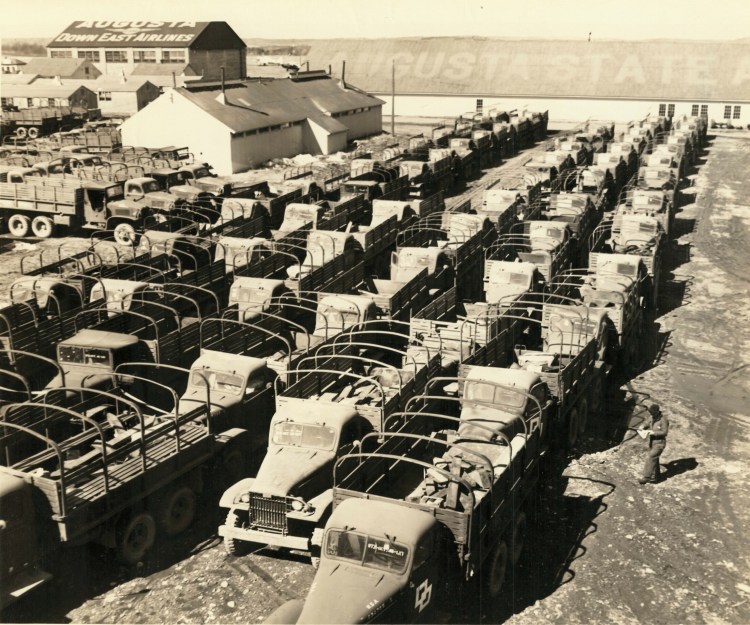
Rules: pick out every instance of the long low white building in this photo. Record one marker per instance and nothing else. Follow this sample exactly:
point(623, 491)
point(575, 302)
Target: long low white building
point(246, 123)
point(619, 80)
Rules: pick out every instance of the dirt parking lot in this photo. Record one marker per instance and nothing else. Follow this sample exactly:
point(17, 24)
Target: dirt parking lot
point(606, 549)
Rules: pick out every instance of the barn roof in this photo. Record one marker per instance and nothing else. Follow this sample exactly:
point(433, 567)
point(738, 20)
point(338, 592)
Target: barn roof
point(38, 89)
point(253, 105)
point(667, 70)
point(101, 84)
point(49, 67)
point(162, 69)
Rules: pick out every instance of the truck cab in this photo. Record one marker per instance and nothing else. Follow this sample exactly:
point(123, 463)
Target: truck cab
point(505, 279)
point(18, 174)
point(238, 252)
point(342, 312)
point(89, 356)
point(203, 177)
point(407, 262)
point(176, 183)
point(254, 295)
point(322, 247)
point(53, 294)
point(379, 563)
point(240, 390)
point(291, 491)
point(117, 293)
point(298, 215)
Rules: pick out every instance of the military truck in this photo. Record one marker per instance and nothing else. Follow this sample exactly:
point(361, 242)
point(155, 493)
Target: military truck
point(548, 245)
point(322, 415)
point(106, 469)
point(418, 519)
point(40, 205)
point(580, 214)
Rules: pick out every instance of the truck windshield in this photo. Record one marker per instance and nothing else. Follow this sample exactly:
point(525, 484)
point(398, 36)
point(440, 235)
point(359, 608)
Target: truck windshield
point(376, 553)
point(84, 355)
point(151, 186)
point(176, 178)
point(202, 172)
point(218, 381)
point(304, 435)
point(489, 393)
point(115, 192)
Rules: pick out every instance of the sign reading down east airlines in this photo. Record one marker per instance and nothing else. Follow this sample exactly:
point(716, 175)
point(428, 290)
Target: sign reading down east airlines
point(145, 33)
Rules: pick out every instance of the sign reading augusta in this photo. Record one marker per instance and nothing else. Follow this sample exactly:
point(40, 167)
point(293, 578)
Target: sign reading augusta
point(143, 33)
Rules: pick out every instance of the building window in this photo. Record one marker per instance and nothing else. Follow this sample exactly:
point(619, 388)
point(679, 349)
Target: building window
point(50, 101)
point(173, 56)
point(662, 110)
point(480, 105)
point(736, 114)
point(116, 56)
point(91, 55)
point(670, 110)
point(61, 54)
point(6, 101)
point(727, 112)
point(144, 56)
point(694, 110)
point(105, 96)
point(30, 102)
point(704, 111)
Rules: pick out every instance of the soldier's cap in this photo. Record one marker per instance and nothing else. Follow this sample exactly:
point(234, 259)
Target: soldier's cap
point(654, 409)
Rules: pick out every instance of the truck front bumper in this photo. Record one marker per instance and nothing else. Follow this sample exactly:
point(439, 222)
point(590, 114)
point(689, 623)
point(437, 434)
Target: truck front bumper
point(299, 543)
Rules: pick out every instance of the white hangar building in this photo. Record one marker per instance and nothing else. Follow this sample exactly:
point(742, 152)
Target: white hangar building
point(246, 123)
point(574, 80)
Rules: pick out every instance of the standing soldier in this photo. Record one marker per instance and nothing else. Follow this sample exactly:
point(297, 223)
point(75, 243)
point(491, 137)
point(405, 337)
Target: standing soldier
point(657, 441)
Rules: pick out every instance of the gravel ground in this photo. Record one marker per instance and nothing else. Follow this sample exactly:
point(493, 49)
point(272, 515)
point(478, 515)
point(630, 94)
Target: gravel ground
point(607, 549)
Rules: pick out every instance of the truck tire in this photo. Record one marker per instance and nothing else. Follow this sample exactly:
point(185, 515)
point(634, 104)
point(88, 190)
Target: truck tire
point(496, 569)
point(136, 537)
point(583, 415)
point(42, 227)
point(233, 546)
point(32, 133)
point(124, 234)
point(18, 225)
point(176, 510)
point(518, 539)
point(21, 132)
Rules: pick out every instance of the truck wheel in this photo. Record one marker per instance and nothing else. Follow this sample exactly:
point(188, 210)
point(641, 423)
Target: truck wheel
point(176, 511)
point(42, 227)
point(21, 132)
point(135, 538)
point(18, 225)
point(124, 234)
point(233, 546)
point(583, 415)
point(32, 133)
point(496, 569)
point(519, 536)
point(572, 437)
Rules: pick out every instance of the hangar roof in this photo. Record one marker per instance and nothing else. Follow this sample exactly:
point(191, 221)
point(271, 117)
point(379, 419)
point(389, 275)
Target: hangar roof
point(264, 103)
point(698, 71)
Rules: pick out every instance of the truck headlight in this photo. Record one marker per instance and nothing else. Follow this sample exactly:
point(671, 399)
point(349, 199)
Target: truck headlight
point(297, 505)
point(245, 498)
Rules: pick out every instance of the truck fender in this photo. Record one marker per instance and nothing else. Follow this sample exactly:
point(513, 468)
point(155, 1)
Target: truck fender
point(228, 438)
point(243, 486)
point(323, 505)
point(286, 613)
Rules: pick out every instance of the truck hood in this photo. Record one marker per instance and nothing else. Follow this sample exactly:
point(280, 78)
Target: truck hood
point(284, 468)
point(342, 592)
point(186, 192)
point(215, 185)
point(161, 200)
point(496, 418)
point(75, 379)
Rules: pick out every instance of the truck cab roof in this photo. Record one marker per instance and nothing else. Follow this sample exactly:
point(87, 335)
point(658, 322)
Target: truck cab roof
point(101, 339)
point(514, 378)
point(243, 366)
point(367, 516)
point(326, 413)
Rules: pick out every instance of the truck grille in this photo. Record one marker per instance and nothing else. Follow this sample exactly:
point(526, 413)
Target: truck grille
point(269, 513)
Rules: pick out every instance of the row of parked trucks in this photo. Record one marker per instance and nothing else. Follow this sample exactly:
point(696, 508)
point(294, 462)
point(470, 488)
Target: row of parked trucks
point(375, 383)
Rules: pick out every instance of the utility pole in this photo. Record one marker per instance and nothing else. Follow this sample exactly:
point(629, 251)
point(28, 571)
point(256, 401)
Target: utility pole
point(393, 97)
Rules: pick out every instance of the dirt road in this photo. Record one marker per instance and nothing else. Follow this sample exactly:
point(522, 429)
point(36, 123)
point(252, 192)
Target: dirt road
point(606, 549)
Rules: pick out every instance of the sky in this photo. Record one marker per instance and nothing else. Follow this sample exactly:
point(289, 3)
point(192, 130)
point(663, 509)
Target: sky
point(290, 19)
